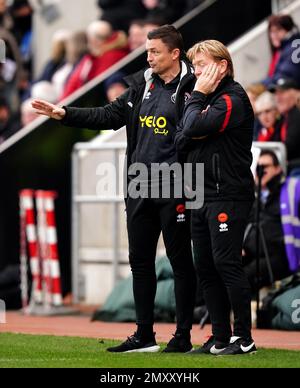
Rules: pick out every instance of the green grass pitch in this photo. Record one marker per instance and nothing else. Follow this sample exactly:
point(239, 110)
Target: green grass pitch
point(27, 351)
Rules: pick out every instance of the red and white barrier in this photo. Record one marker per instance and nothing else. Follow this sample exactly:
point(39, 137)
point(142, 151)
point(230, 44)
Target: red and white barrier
point(43, 251)
point(27, 203)
point(23, 257)
point(52, 258)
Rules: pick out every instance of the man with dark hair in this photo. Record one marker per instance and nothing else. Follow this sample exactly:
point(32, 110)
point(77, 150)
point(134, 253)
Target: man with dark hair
point(270, 220)
point(170, 37)
point(150, 109)
point(287, 93)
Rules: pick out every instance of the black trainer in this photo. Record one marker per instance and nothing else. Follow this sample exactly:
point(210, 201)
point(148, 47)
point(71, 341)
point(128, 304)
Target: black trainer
point(239, 346)
point(179, 344)
point(210, 347)
point(134, 344)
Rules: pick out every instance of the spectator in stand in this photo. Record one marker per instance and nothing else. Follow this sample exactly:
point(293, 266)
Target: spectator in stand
point(8, 122)
point(153, 23)
point(271, 225)
point(76, 48)
point(115, 86)
point(136, 34)
point(22, 12)
point(57, 56)
point(139, 30)
point(170, 10)
point(44, 89)
point(67, 51)
point(106, 48)
point(253, 92)
point(282, 33)
point(286, 96)
point(269, 117)
point(21, 29)
point(120, 13)
point(11, 72)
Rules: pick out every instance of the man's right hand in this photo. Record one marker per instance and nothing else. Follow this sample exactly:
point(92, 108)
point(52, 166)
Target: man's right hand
point(46, 109)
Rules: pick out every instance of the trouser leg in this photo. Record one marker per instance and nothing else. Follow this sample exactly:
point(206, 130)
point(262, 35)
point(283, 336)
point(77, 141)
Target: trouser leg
point(177, 238)
point(213, 288)
point(227, 241)
point(143, 224)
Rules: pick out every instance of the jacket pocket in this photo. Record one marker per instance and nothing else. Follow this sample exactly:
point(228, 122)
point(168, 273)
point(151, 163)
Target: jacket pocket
point(216, 171)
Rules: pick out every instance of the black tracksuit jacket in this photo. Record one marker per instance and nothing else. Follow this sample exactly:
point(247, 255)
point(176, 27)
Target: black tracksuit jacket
point(126, 109)
point(226, 119)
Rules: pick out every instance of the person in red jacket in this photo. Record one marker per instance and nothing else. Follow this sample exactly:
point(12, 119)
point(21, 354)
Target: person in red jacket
point(106, 48)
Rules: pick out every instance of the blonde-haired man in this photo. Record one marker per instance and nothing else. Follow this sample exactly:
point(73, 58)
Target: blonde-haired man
point(217, 130)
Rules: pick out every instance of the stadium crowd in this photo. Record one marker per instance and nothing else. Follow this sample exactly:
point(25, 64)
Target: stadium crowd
point(76, 57)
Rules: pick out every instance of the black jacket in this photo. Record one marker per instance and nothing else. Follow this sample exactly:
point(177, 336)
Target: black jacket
point(270, 219)
point(125, 110)
point(225, 119)
point(293, 134)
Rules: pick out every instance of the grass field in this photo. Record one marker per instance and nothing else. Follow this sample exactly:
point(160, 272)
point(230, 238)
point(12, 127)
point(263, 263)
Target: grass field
point(25, 351)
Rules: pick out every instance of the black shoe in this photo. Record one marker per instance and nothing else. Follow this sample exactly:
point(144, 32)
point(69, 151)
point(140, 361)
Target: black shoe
point(179, 344)
point(239, 346)
point(210, 347)
point(134, 344)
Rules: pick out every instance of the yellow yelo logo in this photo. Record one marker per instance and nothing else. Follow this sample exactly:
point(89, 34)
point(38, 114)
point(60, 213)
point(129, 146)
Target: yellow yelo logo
point(159, 124)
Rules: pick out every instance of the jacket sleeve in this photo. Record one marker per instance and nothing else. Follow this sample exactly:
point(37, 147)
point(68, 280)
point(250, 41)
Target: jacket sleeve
point(292, 142)
point(182, 142)
point(225, 113)
point(111, 116)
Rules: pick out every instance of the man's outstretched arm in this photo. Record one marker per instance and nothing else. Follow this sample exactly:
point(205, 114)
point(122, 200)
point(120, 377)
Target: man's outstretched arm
point(111, 116)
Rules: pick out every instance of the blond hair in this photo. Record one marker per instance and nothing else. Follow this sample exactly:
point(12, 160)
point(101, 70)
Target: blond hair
point(265, 100)
point(216, 50)
point(256, 89)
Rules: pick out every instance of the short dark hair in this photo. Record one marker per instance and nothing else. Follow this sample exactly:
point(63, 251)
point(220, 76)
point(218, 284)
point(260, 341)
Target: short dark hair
point(170, 36)
point(272, 155)
point(282, 21)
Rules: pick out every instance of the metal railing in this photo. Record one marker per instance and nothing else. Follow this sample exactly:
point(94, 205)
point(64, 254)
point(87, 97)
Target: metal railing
point(78, 200)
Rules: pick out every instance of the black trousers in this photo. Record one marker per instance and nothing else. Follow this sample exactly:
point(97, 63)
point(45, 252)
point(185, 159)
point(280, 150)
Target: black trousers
point(146, 219)
point(217, 232)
